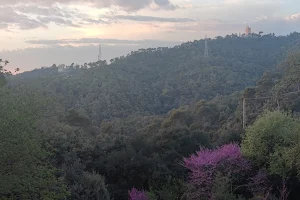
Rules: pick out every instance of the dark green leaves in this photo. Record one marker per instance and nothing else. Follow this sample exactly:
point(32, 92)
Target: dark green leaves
point(25, 171)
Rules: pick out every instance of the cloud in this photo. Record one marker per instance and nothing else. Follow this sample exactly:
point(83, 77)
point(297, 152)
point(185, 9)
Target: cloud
point(58, 21)
point(44, 11)
point(214, 27)
point(8, 17)
point(129, 5)
point(295, 17)
point(277, 25)
point(100, 41)
point(241, 10)
point(31, 17)
point(94, 21)
point(3, 25)
point(209, 26)
point(141, 18)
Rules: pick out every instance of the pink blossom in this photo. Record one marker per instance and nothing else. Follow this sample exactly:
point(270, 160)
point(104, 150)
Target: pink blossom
point(134, 194)
point(206, 163)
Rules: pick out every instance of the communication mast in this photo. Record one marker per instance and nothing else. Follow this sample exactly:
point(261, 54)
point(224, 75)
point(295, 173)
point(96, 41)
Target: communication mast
point(100, 53)
point(206, 48)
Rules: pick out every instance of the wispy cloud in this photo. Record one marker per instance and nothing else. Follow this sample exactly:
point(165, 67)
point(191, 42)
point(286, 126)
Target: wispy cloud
point(142, 18)
point(279, 25)
point(128, 5)
point(31, 17)
point(294, 17)
point(9, 17)
point(99, 41)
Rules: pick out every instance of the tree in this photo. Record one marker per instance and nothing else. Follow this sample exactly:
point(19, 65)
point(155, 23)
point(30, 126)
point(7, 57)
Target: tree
point(90, 186)
point(272, 142)
point(138, 141)
point(25, 171)
point(3, 63)
point(206, 166)
point(75, 119)
point(221, 189)
point(134, 194)
point(3, 71)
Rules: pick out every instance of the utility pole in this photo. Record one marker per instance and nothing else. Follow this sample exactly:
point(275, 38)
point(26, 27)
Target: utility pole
point(245, 108)
point(100, 53)
point(206, 48)
point(278, 104)
point(244, 113)
point(259, 98)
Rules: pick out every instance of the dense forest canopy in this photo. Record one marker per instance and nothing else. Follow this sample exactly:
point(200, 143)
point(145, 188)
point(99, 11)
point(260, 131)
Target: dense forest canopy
point(132, 128)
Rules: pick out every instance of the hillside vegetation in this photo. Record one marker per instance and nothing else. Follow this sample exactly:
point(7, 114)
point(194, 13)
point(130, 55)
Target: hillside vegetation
point(154, 81)
point(107, 129)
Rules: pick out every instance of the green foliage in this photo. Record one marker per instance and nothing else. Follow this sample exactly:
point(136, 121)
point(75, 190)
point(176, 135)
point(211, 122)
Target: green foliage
point(172, 189)
point(71, 147)
point(90, 186)
point(272, 142)
point(75, 119)
point(281, 86)
point(155, 81)
point(4, 72)
point(151, 195)
point(3, 63)
point(25, 171)
point(222, 189)
point(133, 121)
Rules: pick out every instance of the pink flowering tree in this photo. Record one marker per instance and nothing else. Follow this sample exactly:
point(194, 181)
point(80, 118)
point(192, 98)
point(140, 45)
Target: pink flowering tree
point(206, 164)
point(134, 194)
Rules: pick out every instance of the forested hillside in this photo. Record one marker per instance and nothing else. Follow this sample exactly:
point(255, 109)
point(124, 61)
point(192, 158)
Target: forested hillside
point(105, 129)
point(154, 81)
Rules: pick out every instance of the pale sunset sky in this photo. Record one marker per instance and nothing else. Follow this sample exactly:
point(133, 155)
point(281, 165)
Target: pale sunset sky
point(36, 33)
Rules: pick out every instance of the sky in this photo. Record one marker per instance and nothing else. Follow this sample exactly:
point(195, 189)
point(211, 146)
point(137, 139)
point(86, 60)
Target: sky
point(36, 33)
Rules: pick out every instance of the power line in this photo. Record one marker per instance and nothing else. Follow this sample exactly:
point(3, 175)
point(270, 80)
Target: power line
point(259, 98)
point(244, 108)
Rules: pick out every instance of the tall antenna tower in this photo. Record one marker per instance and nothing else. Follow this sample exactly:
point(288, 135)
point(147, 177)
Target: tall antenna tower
point(100, 53)
point(206, 48)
